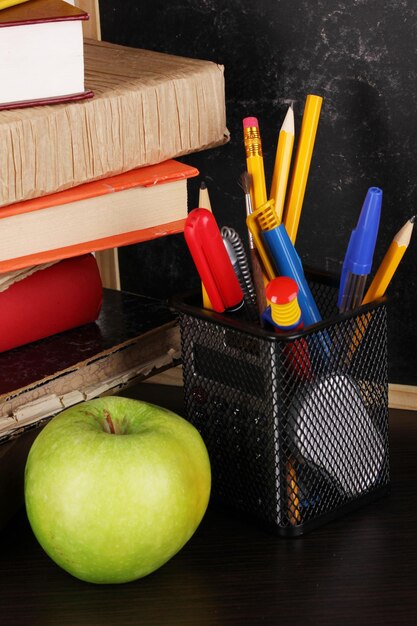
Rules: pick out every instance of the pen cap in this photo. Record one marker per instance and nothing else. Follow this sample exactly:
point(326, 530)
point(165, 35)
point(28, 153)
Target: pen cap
point(363, 239)
point(205, 243)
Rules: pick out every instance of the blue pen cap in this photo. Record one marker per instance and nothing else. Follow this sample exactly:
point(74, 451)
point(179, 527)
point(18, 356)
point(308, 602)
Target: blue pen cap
point(363, 239)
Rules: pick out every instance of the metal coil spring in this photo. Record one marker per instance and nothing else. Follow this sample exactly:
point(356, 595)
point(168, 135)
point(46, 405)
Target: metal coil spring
point(241, 263)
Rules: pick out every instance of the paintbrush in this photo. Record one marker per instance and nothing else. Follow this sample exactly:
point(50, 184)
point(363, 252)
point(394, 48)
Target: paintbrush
point(259, 278)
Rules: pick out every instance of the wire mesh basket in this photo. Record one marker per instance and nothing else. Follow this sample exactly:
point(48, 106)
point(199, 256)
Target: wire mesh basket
point(296, 425)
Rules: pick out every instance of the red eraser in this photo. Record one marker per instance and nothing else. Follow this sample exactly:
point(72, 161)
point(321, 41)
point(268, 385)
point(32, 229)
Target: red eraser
point(250, 121)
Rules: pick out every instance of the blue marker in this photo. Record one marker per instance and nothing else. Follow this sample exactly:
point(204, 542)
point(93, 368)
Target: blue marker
point(360, 251)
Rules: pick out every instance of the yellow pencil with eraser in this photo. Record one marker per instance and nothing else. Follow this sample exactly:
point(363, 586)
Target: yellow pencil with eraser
point(255, 167)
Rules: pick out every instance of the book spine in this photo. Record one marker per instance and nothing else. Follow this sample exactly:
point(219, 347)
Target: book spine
point(62, 296)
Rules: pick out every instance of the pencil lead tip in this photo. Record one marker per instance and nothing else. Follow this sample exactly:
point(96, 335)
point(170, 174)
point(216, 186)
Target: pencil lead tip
point(203, 185)
point(412, 219)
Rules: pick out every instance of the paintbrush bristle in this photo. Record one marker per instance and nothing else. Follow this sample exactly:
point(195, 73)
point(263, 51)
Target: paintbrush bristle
point(246, 182)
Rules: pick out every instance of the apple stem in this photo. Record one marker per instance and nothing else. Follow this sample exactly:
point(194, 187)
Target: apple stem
point(110, 423)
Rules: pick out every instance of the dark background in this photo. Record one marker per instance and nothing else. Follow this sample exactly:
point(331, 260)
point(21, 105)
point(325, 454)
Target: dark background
point(361, 56)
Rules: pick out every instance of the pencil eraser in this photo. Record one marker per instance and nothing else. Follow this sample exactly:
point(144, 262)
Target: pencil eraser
point(250, 121)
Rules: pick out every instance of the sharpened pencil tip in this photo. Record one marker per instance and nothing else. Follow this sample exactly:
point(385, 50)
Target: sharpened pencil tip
point(288, 123)
point(412, 219)
point(203, 185)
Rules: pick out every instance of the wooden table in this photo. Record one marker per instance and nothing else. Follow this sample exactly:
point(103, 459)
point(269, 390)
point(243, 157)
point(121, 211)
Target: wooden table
point(358, 570)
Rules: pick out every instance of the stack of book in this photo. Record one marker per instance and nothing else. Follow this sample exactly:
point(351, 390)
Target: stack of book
point(147, 107)
point(89, 136)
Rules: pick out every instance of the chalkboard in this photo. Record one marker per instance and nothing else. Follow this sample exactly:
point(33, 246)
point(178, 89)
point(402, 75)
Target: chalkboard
point(361, 56)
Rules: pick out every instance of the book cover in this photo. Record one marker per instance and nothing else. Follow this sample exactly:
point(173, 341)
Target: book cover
point(159, 174)
point(148, 107)
point(41, 46)
point(5, 4)
point(10, 278)
point(59, 297)
point(40, 11)
point(135, 206)
point(133, 337)
point(36, 102)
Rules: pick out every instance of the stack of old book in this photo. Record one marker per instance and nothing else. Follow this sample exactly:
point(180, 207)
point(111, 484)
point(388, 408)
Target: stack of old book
point(88, 164)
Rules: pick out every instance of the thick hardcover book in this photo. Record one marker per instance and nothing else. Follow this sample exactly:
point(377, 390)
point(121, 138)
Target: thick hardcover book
point(5, 4)
point(135, 206)
point(59, 297)
point(41, 47)
point(132, 337)
point(147, 107)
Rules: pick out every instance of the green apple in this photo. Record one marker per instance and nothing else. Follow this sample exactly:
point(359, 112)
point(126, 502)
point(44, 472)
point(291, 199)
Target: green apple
point(114, 487)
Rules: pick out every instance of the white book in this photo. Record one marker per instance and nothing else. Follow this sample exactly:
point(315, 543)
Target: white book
point(41, 52)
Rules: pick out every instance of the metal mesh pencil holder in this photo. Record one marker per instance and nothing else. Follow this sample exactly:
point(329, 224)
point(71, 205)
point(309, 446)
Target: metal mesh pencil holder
point(296, 425)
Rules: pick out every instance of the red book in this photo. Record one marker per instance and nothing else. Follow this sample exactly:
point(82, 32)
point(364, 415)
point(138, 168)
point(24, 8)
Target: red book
point(135, 206)
point(41, 47)
point(62, 296)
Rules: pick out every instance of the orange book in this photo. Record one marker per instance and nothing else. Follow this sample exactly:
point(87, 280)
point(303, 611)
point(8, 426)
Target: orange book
point(128, 208)
point(41, 43)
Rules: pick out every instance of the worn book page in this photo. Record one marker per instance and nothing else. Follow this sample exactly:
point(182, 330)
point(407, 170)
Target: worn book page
point(10, 278)
point(147, 107)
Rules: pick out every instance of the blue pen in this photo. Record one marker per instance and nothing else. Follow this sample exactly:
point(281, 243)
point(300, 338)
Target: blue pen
point(360, 251)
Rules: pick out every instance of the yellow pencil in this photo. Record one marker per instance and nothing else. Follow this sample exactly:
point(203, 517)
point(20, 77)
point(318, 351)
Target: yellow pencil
point(255, 167)
point(302, 163)
point(293, 500)
point(282, 163)
point(203, 197)
point(390, 262)
point(382, 278)
point(204, 203)
point(254, 160)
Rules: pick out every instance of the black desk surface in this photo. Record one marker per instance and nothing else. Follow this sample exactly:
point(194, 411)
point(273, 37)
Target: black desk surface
point(358, 570)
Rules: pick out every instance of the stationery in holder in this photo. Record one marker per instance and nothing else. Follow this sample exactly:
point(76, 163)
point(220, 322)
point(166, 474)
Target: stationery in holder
point(64, 295)
point(291, 451)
